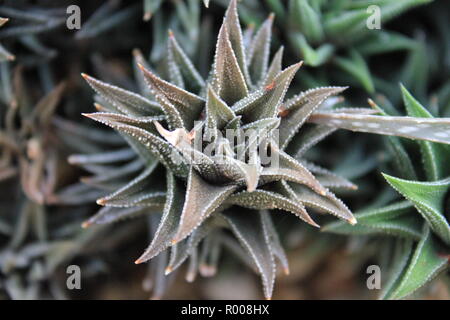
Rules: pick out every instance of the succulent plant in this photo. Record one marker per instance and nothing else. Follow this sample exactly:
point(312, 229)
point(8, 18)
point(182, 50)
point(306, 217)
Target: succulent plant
point(334, 36)
point(419, 224)
point(202, 194)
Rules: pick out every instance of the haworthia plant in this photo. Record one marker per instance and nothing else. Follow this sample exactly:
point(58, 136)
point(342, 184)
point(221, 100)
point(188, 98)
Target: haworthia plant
point(206, 189)
point(421, 219)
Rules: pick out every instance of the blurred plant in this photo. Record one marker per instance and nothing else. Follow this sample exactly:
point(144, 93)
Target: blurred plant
point(4, 54)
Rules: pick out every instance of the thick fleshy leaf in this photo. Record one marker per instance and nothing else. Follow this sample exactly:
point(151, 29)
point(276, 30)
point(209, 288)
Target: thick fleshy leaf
point(435, 130)
point(169, 220)
point(394, 219)
point(250, 233)
point(218, 114)
point(111, 214)
point(143, 191)
point(290, 169)
point(228, 81)
point(299, 108)
point(425, 264)
point(125, 101)
point(259, 50)
point(275, 67)
point(236, 38)
point(158, 147)
point(183, 249)
point(273, 240)
point(191, 77)
point(264, 103)
point(327, 202)
point(434, 156)
point(261, 199)
point(402, 254)
point(202, 199)
point(306, 19)
point(357, 67)
point(329, 179)
point(428, 198)
point(178, 104)
point(308, 138)
point(239, 171)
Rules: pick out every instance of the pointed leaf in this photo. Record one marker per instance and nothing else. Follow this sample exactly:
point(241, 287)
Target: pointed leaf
point(428, 198)
point(202, 199)
point(435, 130)
point(425, 264)
point(177, 103)
point(261, 199)
point(228, 79)
point(250, 233)
point(125, 101)
point(299, 109)
point(169, 221)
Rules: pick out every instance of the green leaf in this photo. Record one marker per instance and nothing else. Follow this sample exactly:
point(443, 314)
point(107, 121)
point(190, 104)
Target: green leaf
point(433, 155)
point(202, 199)
point(181, 107)
point(403, 251)
point(228, 81)
point(169, 222)
point(325, 203)
point(235, 36)
point(357, 67)
point(273, 240)
point(290, 169)
point(141, 191)
point(259, 51)
point(218, 114)
point(434, 129)
point(428, 198)
point(192, 78)
point(125, 101)
point(299, 109)
point(424, 265)
point(265, 102)
point(307, 138)
point(261, 199)
point(250, 233)
point(162, 150)
point(306, 19)
point(393, 220)
point(275, 67)
point(312, 57)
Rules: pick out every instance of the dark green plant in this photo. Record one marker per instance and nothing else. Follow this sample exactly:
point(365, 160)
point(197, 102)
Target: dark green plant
point(420, 223)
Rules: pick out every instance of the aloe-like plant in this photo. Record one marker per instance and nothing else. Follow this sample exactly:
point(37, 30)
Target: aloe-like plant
point(202, 195)
point(419, 223)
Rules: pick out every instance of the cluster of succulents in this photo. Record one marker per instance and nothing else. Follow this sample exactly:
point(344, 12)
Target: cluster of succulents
point(202, 197)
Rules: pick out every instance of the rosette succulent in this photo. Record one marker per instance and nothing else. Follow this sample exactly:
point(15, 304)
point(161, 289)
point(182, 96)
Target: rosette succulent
point(218, 153)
